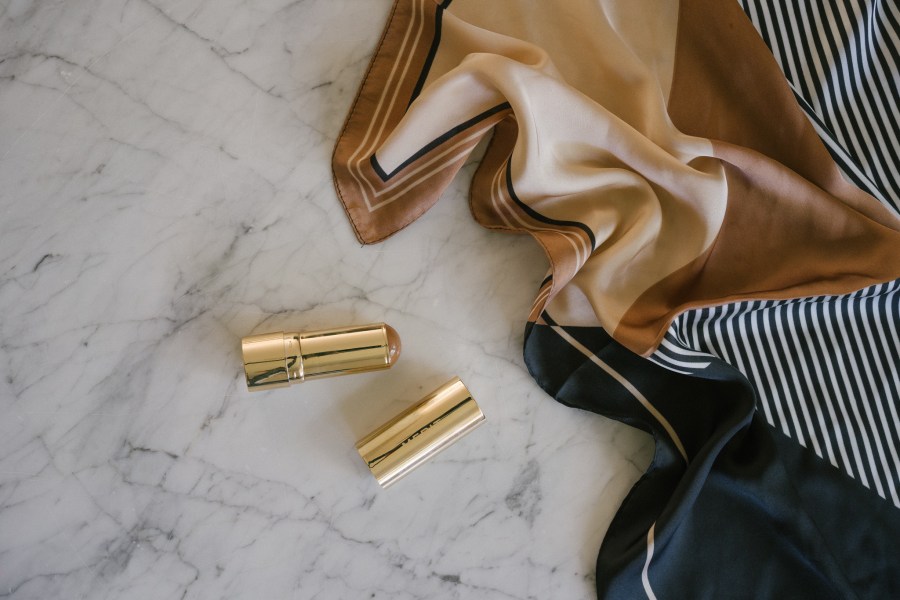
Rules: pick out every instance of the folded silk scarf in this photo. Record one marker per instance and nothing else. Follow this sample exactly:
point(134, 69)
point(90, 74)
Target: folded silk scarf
point(715, 190)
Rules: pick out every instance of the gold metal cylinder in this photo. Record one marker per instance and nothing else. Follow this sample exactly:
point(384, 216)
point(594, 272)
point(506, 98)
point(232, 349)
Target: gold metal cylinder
point(420, 432)
point(273, 360)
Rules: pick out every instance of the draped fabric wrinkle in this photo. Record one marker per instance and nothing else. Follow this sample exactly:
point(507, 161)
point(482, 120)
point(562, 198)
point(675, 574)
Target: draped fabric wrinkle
point(714, 184)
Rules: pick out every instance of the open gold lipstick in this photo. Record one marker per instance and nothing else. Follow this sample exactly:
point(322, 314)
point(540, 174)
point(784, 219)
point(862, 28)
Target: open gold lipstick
point(273, 360)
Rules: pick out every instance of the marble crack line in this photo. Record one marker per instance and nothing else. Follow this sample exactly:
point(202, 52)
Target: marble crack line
point(216, 48)
point(239, 508)
point(62, 473)
point(39, 54)
point(48, 256)
point(92, 327)
point(119, 551)
point(211, 143)
point(457, 581)
point(132, 449)
point(65, 92)
point(11, 590)
point(230, 476)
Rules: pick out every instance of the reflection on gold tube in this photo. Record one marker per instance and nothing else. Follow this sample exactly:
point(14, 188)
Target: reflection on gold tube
point(273, 360)
point(420, 432)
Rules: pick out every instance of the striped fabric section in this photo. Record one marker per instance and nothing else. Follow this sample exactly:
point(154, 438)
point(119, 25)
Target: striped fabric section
point(843, 61)
point(852, 171)
point(825, 368)
point(675, 356)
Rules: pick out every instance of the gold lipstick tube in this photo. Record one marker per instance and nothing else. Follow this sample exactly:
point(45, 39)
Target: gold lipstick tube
point(273, 360)
point(420, 432)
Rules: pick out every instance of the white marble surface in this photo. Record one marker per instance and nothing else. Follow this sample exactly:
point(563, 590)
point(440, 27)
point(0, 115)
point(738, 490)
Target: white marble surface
point(164, 190)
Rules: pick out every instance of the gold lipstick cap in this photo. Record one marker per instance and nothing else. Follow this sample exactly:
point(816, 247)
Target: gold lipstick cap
point(273, 360)
point(420, 432)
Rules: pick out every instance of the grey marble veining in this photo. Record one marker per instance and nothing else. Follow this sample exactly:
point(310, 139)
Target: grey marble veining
point(164, 190)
